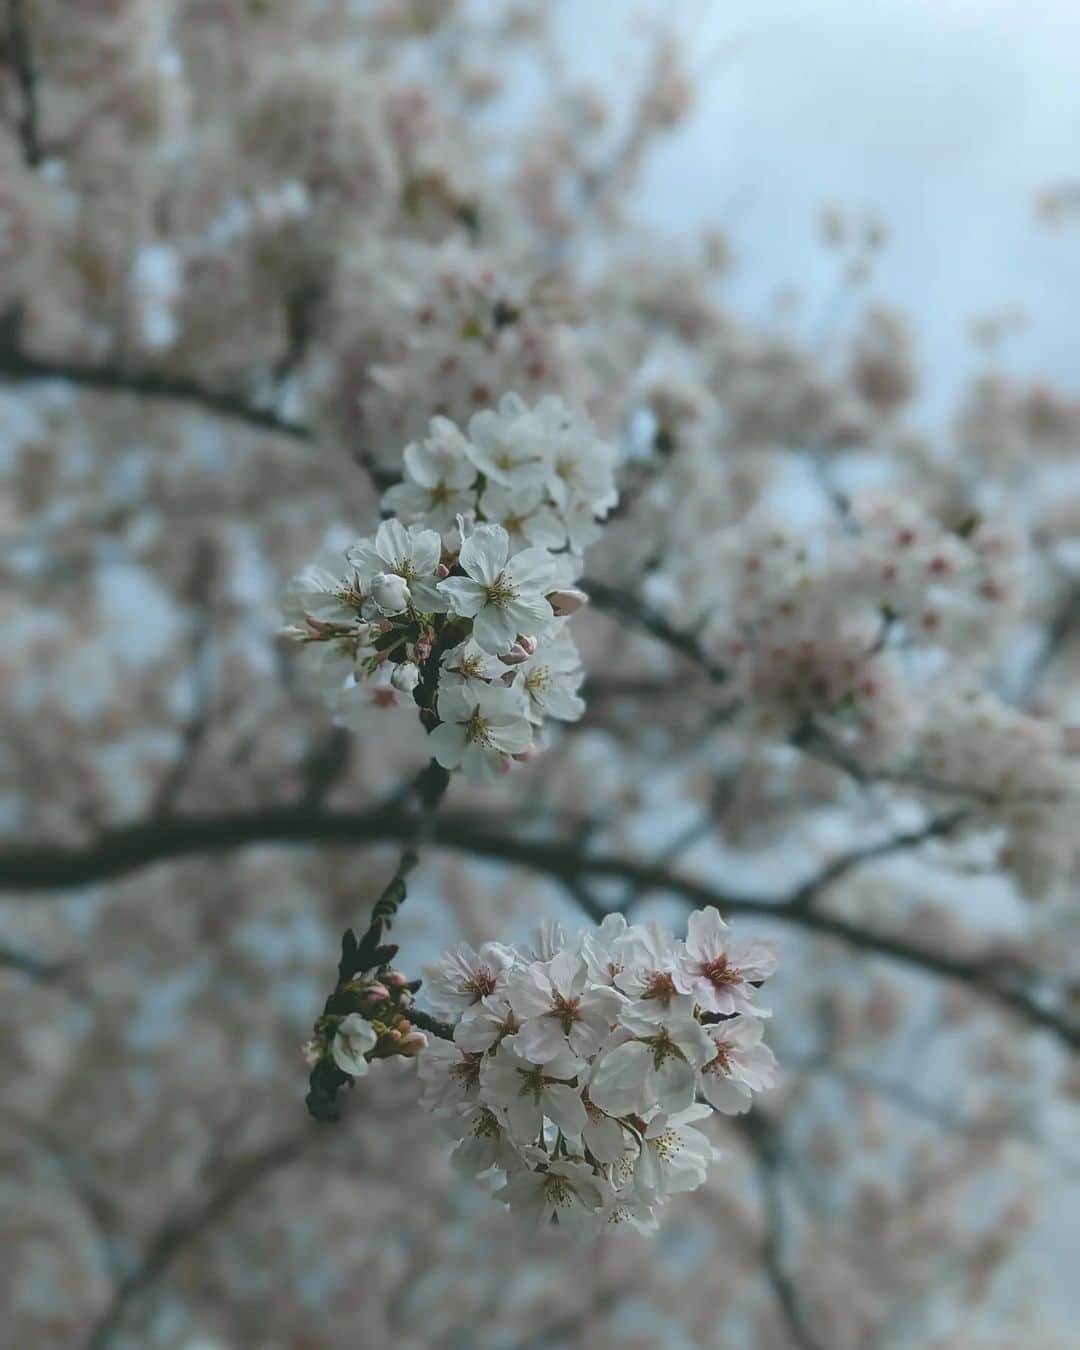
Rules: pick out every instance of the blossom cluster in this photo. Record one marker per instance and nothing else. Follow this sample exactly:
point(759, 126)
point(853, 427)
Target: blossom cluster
point(581, 1068)
point(458, 604)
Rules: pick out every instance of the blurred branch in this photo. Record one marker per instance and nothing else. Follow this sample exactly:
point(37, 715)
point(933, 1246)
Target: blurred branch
point(179, 1233)
point(36, 969)
point(814, 887)
point(198, 595)
point(125, 849)
point(21, 57)
point(764, 1143)
point(637, 614)
point(20, 366)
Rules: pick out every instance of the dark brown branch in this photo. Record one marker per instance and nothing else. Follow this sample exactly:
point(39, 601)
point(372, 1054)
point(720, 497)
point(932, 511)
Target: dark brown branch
point(22, 64)
point(761, 1138)
point(18, 365)
point(121, 851)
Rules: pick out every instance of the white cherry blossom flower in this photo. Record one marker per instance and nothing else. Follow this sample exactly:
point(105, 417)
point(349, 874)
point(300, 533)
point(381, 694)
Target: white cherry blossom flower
point(509, 446)
point(740, 1066)
point(503, 595)
point(354, 1038)
point(327, 590)
point(463, 977)
point(558, 1010)
point(450, 1075)
point(374, 702)
point(674, 1157)
point(600, 949)
point(481, 729)
point(469, 665)
point(565, 1192)
point(551, 678)
point(525, 514)
point(438, 484)
point(649, 956)
point(485, 1142)
point(486, 1023)
point(546, 940)
point(529, 1093)
point(717, 974)
point(411, 554)
point(650, 1062)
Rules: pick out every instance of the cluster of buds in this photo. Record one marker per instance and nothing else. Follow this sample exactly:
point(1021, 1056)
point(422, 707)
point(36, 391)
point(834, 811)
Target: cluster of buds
point(367, 1017)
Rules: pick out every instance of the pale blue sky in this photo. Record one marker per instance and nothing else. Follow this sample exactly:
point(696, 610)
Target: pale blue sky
point(946, 116)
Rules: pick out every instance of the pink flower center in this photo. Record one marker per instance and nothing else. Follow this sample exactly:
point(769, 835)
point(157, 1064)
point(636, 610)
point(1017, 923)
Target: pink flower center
point(660, 986)
point(720, 973)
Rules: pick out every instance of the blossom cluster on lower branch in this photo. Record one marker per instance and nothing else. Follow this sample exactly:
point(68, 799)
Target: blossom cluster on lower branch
point(580, 1068)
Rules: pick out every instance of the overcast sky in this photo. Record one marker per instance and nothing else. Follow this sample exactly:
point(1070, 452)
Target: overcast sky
point(946, 116)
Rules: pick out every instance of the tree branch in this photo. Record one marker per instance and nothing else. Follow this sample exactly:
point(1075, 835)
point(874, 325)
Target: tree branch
point(123, 850)
point(22, 63)
point(19, 366)
point(636, 613)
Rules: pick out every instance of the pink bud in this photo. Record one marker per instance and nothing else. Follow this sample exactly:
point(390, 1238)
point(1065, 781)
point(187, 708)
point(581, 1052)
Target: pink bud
point(442, 572)
point(413, 1043)
point(528, 643)
point(376, 993)
point(397, 978)
point(515, 655)
point(567, 602)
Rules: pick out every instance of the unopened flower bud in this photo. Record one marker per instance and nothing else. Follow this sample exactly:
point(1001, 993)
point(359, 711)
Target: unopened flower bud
point(442, 572)
point(567, 602)
point(397, 978)
point(412, 1044)
point(528, 643)
point(376, 993)
point(385, 626)
point(515, 655)
point(405, 677)
point(390, 592)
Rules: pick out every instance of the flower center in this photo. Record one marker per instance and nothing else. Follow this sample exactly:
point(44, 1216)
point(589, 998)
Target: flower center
point(500, 592)
point(566, 1012)
point(660, 986)
point(476, 729)
point(721, 1062)
point(720, 973)
point(481, 983)
point(467, 1071)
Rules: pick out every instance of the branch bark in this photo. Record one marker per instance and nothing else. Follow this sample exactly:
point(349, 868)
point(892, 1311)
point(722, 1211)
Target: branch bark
point(127, 849)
